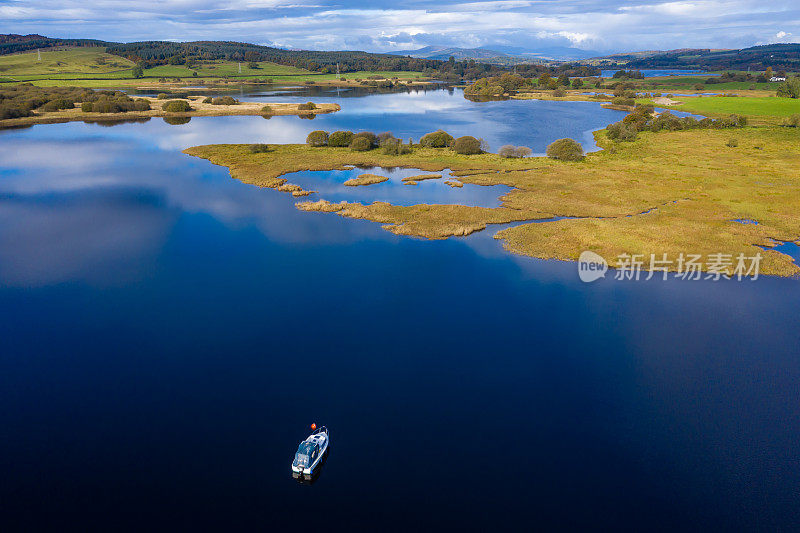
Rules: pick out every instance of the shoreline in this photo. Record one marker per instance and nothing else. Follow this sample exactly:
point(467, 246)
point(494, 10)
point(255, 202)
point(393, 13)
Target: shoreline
point(617, 201)
point(199, 109)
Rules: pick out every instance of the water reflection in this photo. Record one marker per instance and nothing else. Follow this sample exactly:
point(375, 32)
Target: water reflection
point(329, 185)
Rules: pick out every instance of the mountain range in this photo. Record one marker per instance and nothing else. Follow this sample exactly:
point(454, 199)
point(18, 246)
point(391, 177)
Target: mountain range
point(500, 53)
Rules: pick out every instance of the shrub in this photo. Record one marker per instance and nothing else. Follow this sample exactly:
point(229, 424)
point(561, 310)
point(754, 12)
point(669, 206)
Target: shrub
point(266, 110)
point(57, 104)
point(565, 150)
point(208, 100)
point(793, 121)
point(623, 100)
point(369, 136)
point(559, 92)
point(467, 145)
point(86, 107)
point(395, 147)
point(511, 151)
point(259, 148)
point(437, 139)
point(385, 136)
point(224, 100)
point(308, 106)
point(176, 106)
point(340, 138)
point(360, 144)
point(162, 96)
point(789, 88)
point(14, 112)
point(732, 143)
point(620, 131)
point(317, 138)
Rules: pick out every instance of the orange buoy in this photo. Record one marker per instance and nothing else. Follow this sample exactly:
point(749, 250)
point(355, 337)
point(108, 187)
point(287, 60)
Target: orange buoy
point(313, 426)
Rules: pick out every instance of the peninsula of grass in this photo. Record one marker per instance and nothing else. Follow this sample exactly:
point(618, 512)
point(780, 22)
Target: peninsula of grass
point(365, 179)
point(668, 192)
point(25, 105)
point(422, 177)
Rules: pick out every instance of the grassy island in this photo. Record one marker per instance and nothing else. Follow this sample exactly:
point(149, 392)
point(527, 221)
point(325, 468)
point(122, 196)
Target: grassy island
point(667, 192)
point(24, 105)
point(365, 179)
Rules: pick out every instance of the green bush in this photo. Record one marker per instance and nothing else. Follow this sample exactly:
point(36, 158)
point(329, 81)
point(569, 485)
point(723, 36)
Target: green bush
point(559, 92)
point(176, 106)
point(317, 138)
point(789, 88)
point(340, 138)
point(395, 147)
point(208, 100)
point(467, 145)
point(307, 106)
point(565, 150)
point(14, 112)
point(437, 139)
point(732, 143)
point(623, 100)
point(224, 100)
point(360, 144)
point(369, 136)
point(162, 96)
point(58, 104)
point(259, 148)
point(266, 110)
point(620, 131)
point(86, 107)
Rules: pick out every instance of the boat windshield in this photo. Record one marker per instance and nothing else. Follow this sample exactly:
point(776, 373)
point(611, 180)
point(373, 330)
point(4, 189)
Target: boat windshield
point(305, 453)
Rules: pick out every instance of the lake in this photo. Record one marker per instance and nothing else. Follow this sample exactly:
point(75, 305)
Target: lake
point(168, 334)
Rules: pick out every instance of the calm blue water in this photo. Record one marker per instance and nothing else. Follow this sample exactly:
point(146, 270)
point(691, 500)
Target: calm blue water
point(329, 185)
point(652, 73)
point(168, 333)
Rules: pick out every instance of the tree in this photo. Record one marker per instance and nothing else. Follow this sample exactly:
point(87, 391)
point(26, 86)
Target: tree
point(577, 83)
point(138, 71)
point(563, 79)
point(565, 150)
point(176, 106)
point(789, 88)
point(317, 138)
point(768, 73)
point(340, 138)
point(467, 145)
point(437, 139)
point(360, 144)
point(544, 80)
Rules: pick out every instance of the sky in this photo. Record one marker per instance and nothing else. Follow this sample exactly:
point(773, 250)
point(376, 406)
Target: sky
point(384, 25)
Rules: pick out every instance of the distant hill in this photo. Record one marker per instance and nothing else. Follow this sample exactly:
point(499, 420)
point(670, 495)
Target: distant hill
point(443, 53)
point(500, 54)
point(778, 56)
point(12, 43)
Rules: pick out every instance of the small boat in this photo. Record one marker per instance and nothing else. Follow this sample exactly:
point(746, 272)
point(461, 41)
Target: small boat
point(310, 452)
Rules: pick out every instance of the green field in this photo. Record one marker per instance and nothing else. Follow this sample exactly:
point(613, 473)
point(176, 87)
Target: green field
point(757, 107)
point(687, 83)
point(224, 68)
point(74, 62)
point(93, 67)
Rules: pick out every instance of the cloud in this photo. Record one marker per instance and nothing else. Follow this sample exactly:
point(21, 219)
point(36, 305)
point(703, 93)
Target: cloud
point(386, 25)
